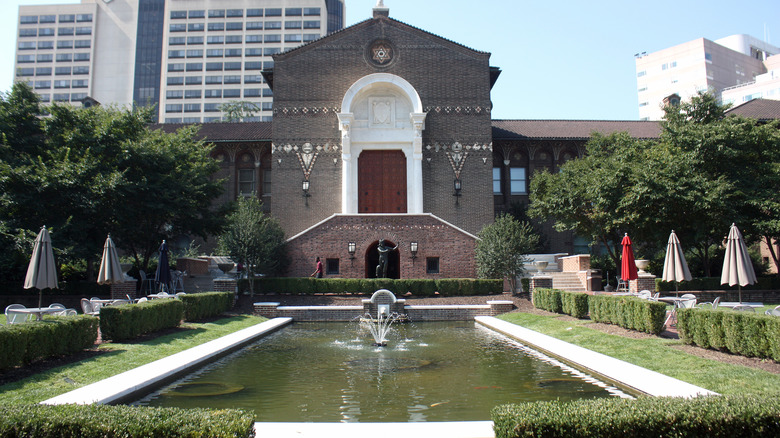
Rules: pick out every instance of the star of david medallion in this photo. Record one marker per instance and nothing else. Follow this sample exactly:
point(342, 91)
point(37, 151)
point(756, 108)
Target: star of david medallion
point(381, 53)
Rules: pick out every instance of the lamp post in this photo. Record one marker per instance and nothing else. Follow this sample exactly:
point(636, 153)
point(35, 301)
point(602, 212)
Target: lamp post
point(351, 249)
point(458, 188)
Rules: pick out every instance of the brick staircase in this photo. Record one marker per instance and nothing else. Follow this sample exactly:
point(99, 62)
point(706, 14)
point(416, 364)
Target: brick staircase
point(568, 281)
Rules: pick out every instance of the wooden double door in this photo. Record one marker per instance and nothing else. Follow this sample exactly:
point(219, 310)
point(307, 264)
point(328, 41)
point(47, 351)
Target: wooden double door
point(382, 182)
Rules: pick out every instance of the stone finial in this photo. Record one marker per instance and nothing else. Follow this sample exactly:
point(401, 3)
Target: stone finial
point(380, 10)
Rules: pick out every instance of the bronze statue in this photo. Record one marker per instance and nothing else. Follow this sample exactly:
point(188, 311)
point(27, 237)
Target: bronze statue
point(383, 250)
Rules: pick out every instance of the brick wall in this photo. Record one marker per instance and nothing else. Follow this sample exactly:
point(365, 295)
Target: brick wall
point(454, 248)
point(453, 83)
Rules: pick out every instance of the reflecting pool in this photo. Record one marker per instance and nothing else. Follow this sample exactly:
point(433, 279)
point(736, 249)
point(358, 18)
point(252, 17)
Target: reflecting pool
point(330, 372)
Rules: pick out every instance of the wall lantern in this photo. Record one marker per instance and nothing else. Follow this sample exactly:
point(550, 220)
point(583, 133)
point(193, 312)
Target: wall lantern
point(306, 194)
point(457, 190)
point(351, 249)
point(413, 249)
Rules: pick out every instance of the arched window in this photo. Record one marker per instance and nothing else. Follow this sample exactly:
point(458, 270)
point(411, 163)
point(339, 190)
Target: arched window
point(246, 175)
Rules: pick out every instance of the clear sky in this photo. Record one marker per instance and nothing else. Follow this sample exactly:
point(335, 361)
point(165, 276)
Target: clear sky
point(561, 59)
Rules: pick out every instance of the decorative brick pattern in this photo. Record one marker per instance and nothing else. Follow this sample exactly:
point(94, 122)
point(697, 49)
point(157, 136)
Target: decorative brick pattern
point(644, 282)
point(540, 282)
point(193, 267)
point(225, 285)
point(575, 263)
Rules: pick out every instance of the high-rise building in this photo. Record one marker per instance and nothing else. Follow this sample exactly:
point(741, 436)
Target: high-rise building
point(679, 72)
point(188, 57)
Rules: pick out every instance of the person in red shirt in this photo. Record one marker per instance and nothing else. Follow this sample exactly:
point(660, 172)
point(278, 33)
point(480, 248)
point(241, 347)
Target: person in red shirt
point(318, 272)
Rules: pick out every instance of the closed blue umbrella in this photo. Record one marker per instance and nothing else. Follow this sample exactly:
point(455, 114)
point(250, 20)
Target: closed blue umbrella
point(163, 275)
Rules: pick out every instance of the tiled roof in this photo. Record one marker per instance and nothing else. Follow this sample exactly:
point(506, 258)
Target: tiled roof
point(570, 129)
point(225, 132)
point(761, 109)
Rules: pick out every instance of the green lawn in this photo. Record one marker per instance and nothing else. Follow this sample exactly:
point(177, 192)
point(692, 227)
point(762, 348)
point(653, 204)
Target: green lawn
point(657, 354)
point(118, 358)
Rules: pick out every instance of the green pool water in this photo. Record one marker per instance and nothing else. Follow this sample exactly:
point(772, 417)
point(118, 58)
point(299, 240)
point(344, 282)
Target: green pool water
point(330, 372)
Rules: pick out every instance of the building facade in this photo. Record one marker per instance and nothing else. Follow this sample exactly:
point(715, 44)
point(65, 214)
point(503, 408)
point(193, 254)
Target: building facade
point(187, 57)
point(681, 71)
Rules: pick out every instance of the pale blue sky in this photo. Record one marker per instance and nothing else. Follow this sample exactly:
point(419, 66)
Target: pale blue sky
point(561, 59)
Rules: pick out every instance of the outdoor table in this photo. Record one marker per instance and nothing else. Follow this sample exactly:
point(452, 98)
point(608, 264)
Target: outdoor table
point(155, 296)
point(102, 302)
point(38, 311)
point(672, 300)
point(732, 304)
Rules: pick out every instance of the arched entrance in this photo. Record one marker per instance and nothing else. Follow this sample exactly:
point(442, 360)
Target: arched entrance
point(382, 182)
point(372, 260)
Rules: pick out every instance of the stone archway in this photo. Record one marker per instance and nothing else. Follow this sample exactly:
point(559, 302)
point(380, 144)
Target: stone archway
point(371, 259)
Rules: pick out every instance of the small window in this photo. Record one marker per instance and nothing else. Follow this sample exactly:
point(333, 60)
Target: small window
point(517, 180)
point(216, 13)
point(256, 12)
point(197, 13)
point(432, 265)
point(496, 180)
point(178, 14)
point(332, 266)
point(246, 182)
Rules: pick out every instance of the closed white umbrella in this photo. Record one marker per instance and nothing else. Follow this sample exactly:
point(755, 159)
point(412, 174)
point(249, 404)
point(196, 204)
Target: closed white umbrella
point(737, 266)
point(675, 266)
point(110, 270)
point(41, 272)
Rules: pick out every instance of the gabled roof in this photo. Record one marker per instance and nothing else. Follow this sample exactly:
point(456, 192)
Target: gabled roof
point(570, 129)
point(761, 109)
point(368, 22)
point(224, 132)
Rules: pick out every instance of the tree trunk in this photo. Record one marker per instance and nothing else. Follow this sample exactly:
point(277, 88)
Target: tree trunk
point(773, 253)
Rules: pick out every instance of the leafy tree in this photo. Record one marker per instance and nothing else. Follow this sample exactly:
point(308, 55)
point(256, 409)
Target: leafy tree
point(501, 248)
point(253, 239)
point(237, 110)
point(100, 170)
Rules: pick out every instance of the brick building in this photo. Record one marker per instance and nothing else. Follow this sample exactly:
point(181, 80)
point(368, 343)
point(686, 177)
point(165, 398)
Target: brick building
point(383, 131)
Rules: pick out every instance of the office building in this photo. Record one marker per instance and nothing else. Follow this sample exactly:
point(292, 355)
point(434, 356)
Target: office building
point(679, 72)
point(188, 57)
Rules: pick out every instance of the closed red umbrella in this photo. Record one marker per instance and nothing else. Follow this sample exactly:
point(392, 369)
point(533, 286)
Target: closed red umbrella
point(627, 265)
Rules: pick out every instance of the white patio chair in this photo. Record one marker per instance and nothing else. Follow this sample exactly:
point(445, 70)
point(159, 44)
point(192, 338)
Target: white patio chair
point(16, 317)
point(773, 312)
point(687, 304)
point(713, 304)
point(645, 294)
point(88, 308)
point(688, 296)
point(57, 306)
point(622, 286)
point(178, 295)
point(655, 297)
point(142, 300)
point(147, 284)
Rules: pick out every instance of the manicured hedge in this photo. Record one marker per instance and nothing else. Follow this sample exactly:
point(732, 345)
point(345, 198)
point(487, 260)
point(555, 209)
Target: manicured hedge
point(101, 421)
point(418, 287)
point(628, 312)
point(559, 301)
point(743, 333)
point(198, 306)
point(716, 416)
point(22, 344)
point(129, 321)
point(713, 283)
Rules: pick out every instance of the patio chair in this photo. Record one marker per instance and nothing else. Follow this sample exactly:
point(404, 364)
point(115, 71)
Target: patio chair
point(147, 284)
point(712, 305)
point(142, 300)
point(88, 308)
point(58, 306)
point(178, 295)
point(645, 294)
point(688, 296)
point(773, 312)
point(655, 296)
point(15, 317)
point(177, 281)
point(742, 308)
point(622, 286)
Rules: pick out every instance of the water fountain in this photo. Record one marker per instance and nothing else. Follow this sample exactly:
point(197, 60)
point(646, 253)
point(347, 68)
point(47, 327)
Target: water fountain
point(379, 327)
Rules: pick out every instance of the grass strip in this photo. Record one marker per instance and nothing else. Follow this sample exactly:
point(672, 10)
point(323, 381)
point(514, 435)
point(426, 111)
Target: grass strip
point(654, 353)
point(117, 358)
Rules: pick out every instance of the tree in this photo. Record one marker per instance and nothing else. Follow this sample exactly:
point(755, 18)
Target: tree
point(253, 239)
point(101, 170)
point(501, 248)
point(238, 110)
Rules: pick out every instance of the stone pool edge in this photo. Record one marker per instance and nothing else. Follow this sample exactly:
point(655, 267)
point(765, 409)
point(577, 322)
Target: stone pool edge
point(136, 381)
point(624, 373)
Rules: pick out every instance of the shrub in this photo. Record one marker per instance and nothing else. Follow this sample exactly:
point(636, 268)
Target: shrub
point(628, 312)
point(132, 320)
point(717, 416)
point(419, 287)
point(205, 305)
point(22, 344)
point(574, 304)
point(548, 299)
point(100, 421)
point(746, 334)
